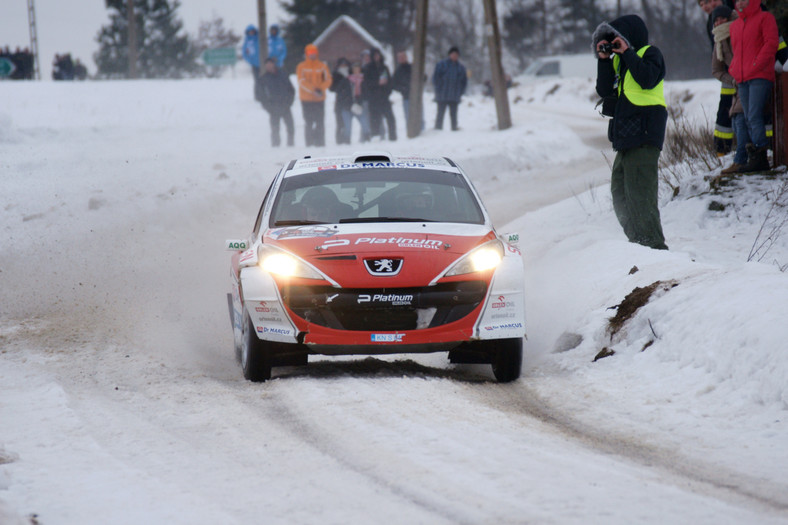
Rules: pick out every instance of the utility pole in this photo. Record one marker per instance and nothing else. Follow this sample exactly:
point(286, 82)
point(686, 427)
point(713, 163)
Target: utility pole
point(262, 34)
point(132, 23)
point(498, 80)
point(31, 18)
point(415, 111)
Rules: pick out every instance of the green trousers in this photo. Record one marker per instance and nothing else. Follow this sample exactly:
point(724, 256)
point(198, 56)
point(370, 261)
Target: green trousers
point(634, 184)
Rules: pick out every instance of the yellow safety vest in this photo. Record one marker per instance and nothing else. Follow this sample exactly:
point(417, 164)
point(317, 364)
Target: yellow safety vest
point(632, 90)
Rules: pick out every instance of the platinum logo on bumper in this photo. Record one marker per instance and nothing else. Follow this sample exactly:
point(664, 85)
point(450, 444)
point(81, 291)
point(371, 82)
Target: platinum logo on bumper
point(390, 299)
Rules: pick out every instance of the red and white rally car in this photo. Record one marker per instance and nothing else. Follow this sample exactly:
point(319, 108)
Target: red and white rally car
point(375, 254)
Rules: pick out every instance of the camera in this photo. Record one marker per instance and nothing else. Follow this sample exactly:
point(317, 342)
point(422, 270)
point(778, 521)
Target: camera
point(608, 47)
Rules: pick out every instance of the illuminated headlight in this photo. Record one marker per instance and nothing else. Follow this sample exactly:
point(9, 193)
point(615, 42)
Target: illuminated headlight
point(280, 263)
point(486, 257)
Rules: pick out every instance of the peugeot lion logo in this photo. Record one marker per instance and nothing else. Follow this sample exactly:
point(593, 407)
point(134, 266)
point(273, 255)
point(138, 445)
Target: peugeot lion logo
point(383, 267)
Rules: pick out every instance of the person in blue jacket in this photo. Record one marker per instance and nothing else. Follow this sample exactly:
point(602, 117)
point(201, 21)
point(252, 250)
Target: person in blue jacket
point(449, 79)
point(250, 50)
point(276, 46)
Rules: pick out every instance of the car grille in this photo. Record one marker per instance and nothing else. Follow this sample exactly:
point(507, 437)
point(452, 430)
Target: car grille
point(384, 309)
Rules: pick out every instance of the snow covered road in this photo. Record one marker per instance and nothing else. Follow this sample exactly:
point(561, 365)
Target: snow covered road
point(120, 401)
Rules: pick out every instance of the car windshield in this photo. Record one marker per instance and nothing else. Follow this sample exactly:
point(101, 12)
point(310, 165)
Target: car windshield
point(375, 195)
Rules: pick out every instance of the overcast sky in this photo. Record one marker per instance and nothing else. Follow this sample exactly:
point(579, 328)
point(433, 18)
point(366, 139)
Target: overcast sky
point(70, 26)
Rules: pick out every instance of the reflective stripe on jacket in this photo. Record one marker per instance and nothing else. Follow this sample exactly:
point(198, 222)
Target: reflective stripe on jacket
point(314, 79)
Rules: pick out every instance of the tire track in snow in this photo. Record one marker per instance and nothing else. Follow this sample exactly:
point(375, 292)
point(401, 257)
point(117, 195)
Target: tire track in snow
point(281, 409)
point(714, 480)
point(312, 436)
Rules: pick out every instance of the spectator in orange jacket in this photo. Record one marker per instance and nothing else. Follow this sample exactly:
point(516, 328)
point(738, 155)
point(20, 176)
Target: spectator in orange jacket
point(314, 78)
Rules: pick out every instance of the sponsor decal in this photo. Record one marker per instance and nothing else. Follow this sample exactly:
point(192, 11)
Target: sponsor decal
point(386, 338)
point(278, 331)
point(390, 299)
point(317, 163)
point(237, 245)
point(383, 267)
point(349, 166)
point(400, 242)
point(503, 316)
point(247, 255)
point(340, 163)
point(502, 303)
point(267, 307)
point(507, 326)
point(434, 161)
point(266, 319)
point(301, 231)
point(335, 243)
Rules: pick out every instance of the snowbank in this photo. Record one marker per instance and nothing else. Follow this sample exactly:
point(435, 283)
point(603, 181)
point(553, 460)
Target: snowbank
point(117, 197)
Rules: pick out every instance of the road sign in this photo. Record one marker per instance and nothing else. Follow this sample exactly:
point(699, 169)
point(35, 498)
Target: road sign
point(223, 56)
point(6, 68)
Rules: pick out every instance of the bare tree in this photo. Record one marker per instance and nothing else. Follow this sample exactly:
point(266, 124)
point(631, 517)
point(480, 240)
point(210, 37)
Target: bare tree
point(212, 35)
point(773, 224)
point(534, 28)
point(458, 23)
point(678, 28)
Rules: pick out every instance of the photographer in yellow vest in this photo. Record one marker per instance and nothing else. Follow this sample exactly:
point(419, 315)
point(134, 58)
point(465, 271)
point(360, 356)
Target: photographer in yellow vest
point(630, 78)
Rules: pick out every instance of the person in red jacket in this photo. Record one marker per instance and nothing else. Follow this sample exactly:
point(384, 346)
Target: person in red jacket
point(754, 40)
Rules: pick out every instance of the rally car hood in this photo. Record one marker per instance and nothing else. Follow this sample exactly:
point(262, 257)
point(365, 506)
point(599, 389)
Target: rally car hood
point(385, 256)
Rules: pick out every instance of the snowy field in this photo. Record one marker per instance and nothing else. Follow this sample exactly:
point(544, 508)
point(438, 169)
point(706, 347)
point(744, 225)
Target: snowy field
point(121, 402)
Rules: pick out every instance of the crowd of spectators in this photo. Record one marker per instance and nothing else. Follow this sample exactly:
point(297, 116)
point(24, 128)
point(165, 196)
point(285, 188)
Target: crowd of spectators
point(65, 68)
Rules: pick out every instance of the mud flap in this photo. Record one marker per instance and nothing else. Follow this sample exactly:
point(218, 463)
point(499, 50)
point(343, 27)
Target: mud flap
point(232, 313)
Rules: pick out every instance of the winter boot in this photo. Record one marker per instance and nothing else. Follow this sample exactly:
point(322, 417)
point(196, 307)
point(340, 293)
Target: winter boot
point(733, 168)
point(750, 156)
point(758, 159)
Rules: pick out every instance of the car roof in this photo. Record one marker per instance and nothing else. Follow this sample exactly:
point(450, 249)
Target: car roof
point(369, 159)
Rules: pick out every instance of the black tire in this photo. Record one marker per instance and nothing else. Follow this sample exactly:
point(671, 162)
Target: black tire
point(255, 353)
point(507, 359)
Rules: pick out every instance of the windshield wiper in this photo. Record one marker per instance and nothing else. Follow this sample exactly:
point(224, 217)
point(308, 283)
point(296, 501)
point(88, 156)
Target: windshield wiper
point(297, 222)
point(383, 219)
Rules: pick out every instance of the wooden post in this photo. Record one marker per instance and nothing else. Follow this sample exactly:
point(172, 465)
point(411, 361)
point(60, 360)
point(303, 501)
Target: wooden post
point(498, 80)
point(781, 120)
point(132, 36)
point(415, 111)
point(262, 34)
